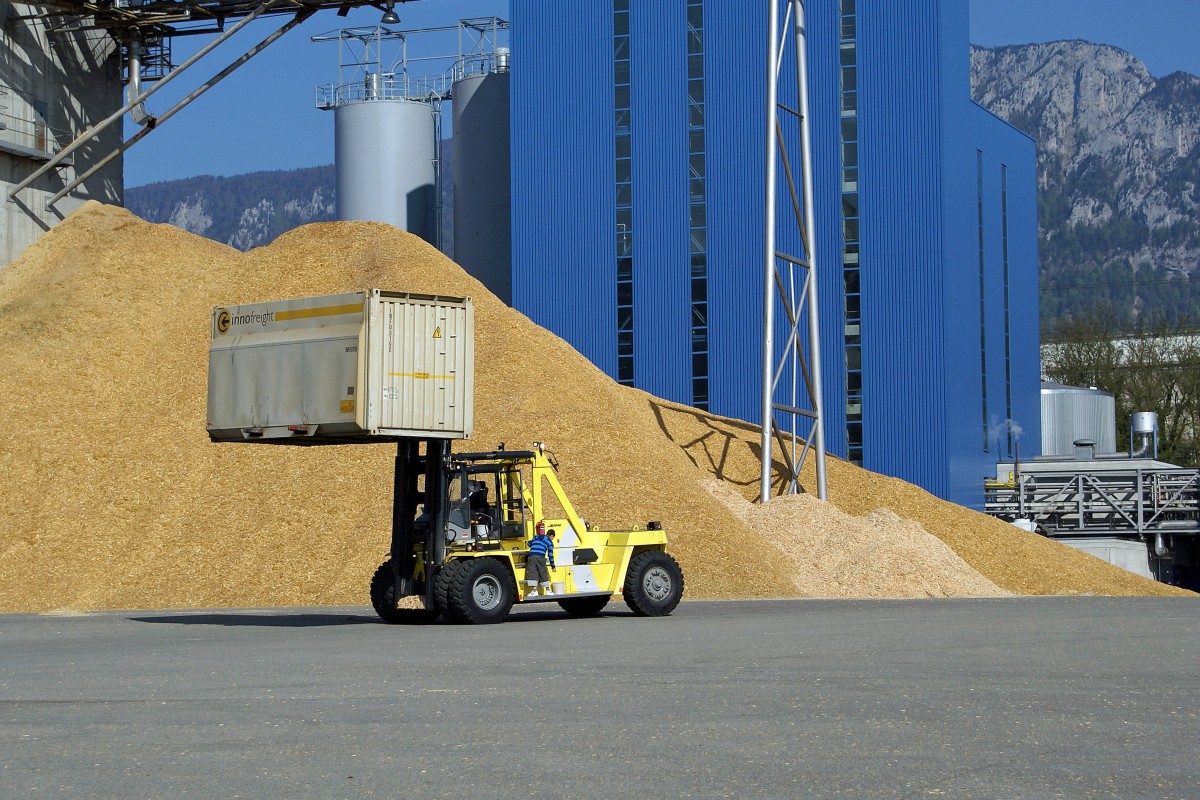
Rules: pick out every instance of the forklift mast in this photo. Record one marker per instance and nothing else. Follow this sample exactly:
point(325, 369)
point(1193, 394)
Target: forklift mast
point(407, 497)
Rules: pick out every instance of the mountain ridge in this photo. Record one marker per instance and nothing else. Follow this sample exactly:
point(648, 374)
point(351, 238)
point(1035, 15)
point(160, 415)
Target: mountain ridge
point(243, 211)
point(1118, 168)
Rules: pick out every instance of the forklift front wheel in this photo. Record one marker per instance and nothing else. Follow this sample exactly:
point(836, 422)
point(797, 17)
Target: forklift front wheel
point(442, 587)
point(482, 591)
point(383, 598)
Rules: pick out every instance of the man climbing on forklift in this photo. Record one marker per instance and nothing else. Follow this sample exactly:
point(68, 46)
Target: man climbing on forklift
point(541, 553)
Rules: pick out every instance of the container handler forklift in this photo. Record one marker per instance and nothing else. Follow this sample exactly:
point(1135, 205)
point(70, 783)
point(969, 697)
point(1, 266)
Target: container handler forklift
point(377, 366)
point(461, 526)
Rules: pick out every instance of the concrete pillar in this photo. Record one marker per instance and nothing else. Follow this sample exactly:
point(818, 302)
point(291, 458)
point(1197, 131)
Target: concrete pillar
point(53, 86)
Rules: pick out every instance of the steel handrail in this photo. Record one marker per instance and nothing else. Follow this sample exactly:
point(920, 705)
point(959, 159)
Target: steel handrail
point(1137, 500)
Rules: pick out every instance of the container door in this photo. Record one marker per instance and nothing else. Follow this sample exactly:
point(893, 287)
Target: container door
point(423, 367)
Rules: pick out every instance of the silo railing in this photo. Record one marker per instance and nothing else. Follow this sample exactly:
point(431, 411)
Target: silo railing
point(384, 86)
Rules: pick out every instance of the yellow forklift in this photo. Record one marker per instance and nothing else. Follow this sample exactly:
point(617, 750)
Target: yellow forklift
point(376, 366)
point(461, 529)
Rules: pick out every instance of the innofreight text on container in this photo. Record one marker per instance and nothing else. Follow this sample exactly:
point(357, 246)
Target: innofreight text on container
point(340, 369)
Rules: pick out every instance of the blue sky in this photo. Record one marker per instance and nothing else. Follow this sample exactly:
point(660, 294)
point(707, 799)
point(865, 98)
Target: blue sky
point(1165, 34)
point(263, 116)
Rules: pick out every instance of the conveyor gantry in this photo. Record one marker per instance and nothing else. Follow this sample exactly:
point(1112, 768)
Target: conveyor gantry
point(142, 28)
point(1135, 502)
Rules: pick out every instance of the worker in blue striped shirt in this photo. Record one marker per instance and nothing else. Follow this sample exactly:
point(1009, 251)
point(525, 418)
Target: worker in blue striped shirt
point(541, 554)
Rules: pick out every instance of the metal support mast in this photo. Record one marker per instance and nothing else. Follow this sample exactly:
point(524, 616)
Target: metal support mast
point(790, 280)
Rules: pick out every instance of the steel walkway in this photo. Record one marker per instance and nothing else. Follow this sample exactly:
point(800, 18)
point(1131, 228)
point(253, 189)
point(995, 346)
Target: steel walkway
point(1135, 502)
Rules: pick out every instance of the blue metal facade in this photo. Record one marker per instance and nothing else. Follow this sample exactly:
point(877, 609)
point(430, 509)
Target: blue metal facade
point(944, 290)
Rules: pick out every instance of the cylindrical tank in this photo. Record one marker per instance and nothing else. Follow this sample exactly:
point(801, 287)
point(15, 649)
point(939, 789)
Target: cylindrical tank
point(482, 207)
point(1073, 412)
point(386, 164)
point(1144, 422)
point(1143, 434)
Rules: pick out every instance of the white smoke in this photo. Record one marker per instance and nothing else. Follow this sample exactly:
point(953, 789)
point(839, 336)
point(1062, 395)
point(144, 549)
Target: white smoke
point(999, 429)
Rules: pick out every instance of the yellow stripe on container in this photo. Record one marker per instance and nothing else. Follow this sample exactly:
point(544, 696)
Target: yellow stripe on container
point(324, 311)
point(421, 376)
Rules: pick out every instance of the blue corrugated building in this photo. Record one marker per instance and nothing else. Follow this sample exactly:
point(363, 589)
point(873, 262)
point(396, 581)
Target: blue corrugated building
point(638, 168)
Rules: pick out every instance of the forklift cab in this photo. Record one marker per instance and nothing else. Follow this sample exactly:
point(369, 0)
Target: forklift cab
point(486, 503)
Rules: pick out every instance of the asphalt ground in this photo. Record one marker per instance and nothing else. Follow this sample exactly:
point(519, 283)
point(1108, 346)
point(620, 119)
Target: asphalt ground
point(1021, 698)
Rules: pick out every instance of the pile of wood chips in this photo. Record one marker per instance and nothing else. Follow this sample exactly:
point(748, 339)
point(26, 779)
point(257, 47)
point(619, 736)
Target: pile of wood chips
point(115, 499)
point(835, 554)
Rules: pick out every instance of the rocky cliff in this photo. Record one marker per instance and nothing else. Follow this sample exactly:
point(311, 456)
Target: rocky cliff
point(244, 211)
point(1118, 167)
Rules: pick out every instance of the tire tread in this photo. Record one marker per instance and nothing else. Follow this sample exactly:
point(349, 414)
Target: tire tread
point(460, 598)
point(383, 600)
point(636, 599)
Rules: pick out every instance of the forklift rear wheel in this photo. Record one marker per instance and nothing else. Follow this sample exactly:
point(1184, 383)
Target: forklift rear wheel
point(482, 591)
point(584, 606)
point(383, 598)
point(653, 584)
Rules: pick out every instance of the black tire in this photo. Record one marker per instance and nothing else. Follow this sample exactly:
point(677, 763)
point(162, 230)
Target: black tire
point(482, 591)
point(653, 584)
point(383, 598)
point(584, 606)
point(441, 588)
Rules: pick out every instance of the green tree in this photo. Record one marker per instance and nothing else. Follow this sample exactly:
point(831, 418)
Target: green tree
point(1154, 367)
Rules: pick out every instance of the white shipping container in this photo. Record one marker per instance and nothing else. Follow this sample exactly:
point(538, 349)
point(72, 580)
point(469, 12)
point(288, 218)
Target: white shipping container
point(356, 367)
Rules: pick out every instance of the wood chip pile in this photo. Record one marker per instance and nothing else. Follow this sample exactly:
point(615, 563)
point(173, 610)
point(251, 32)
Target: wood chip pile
point(114, 497)
point(1017, 561)
point(835, 554)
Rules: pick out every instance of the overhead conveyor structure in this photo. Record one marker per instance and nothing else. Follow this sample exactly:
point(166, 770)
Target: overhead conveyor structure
point(143, 31)
point(1148, 509)
point(1139, 501)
